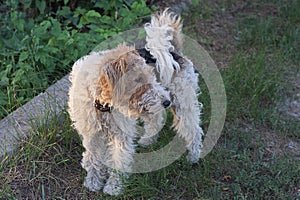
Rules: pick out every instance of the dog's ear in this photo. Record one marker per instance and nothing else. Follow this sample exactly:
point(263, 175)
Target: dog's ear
point(117, 68)
point(113, 71)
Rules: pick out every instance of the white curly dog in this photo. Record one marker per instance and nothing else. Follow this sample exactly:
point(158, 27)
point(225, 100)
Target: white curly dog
point(112, 89)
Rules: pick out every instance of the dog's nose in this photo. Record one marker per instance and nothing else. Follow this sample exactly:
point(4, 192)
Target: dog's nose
point(166, 103)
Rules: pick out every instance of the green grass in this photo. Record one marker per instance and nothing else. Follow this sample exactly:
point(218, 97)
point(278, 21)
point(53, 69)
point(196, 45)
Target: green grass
point(252, 84)
point(251, 159)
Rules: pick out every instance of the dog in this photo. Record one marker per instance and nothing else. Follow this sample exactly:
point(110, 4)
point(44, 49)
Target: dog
point(111, 89)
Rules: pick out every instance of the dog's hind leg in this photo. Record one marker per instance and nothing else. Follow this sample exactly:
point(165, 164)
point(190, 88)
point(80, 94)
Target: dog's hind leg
point(187, 109)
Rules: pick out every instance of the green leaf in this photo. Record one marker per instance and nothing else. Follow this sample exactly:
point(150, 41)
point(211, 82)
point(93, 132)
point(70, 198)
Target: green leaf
point(26, 3)
point(23, 56)
point(92, 13)
point(104, 5)
point(195, 2)
point(69, 42)
point(41, 5)
point(56, 27)
point(4, 81)
point(20, 24)
point(65, 11)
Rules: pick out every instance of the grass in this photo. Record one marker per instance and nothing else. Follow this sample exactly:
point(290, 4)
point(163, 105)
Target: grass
point(250, 161)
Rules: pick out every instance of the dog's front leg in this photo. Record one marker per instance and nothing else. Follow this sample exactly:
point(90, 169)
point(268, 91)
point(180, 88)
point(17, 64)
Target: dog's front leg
point(91, 162)
point(119, 159)
point(152, 125)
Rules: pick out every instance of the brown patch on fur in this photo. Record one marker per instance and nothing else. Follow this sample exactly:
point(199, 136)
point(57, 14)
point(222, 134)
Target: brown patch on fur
point(139, 93)
point(175, 118)
point(104, 93)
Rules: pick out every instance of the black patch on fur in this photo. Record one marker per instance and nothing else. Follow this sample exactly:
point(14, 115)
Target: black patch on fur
point(150, 60)
point(147, 56)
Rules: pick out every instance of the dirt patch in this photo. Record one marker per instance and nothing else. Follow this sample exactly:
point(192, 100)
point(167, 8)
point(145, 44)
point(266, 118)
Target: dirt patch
point(276, 145)
point(292, 105)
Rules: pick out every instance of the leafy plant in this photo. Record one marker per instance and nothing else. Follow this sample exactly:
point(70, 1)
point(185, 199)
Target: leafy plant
point(40, 40)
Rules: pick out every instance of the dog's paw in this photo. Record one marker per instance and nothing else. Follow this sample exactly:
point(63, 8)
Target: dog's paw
point(93, 183)
point(112, 190)
point(146, 141)
point(112, 187)
point(194, 152)
point(193, 157)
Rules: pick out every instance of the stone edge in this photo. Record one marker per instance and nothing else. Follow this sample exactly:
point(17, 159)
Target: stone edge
point(44, 107)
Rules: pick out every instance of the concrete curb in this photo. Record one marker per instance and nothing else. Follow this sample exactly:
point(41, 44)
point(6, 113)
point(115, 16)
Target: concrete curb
point(44, 107)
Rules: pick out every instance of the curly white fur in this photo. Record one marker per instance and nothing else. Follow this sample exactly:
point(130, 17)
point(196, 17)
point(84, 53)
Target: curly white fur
point(120, 79)
point(160, 35)
point(164, 37)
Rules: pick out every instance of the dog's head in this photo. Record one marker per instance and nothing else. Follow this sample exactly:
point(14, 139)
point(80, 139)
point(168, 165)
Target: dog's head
point(149, 99)
point(129, 85)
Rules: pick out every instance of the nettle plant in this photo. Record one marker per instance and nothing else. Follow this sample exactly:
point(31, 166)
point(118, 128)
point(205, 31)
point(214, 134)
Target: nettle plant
point(40, 40)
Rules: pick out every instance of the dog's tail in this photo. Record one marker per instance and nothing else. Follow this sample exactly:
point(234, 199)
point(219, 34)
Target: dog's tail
point(163, 37)
point(171, 24)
